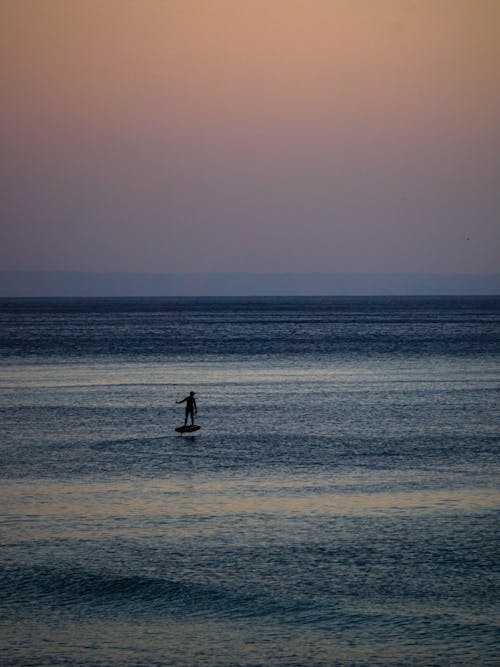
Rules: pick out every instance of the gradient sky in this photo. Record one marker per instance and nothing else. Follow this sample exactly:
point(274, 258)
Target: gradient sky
point(250, 135)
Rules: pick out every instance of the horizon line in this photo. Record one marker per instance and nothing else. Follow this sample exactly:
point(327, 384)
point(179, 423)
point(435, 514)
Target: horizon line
point(59, 283)
point(255, 273)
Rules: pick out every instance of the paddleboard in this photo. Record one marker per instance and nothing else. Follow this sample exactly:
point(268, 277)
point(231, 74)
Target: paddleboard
point(187, 429)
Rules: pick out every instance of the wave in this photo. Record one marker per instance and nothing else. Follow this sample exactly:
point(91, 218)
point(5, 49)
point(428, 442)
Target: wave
point(79, 588)
point(82, 592)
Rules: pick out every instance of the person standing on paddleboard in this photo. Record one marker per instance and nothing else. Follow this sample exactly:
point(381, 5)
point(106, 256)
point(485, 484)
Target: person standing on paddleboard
point(191, 408)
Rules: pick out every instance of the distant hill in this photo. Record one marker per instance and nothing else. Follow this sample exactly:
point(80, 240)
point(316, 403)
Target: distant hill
point(73, 283)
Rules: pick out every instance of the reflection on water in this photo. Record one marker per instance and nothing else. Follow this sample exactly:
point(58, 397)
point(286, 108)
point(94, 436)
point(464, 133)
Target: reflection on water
point(206, 643)
point(218, 570)
point(216, 497)
point(339, 506)
point(255, 570)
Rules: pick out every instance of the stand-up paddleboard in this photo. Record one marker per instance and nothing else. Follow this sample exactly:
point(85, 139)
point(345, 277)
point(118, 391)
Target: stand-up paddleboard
point(187, 429)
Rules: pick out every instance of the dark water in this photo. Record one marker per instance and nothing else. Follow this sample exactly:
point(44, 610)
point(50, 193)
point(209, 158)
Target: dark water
point(338, 507)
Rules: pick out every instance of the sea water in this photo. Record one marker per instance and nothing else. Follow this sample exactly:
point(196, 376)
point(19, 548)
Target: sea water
point(339, 505)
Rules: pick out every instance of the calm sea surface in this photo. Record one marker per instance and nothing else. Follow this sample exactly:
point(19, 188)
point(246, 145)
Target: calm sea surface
point(339, 505)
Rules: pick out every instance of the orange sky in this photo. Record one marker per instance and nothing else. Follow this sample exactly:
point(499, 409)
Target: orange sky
point(277, 135)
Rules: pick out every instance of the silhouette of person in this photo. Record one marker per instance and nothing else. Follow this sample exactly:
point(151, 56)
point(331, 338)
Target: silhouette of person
point(191, 408)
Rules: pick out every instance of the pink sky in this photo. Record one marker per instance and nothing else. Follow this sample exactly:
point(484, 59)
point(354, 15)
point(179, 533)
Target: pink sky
point(262, 135)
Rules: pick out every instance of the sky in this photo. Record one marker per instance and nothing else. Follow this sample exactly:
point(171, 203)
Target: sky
point(250, 135)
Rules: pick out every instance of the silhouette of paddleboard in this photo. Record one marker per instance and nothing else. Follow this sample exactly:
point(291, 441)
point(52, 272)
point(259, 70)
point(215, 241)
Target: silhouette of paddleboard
point(187, 429)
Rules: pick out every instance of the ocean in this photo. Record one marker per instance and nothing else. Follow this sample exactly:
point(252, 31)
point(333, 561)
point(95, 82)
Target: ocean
point(338, 507)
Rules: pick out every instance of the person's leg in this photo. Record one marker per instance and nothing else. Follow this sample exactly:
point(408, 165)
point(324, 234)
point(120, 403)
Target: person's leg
point(186, 415)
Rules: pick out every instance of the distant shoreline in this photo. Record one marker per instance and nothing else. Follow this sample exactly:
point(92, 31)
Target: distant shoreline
point(94, 284)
